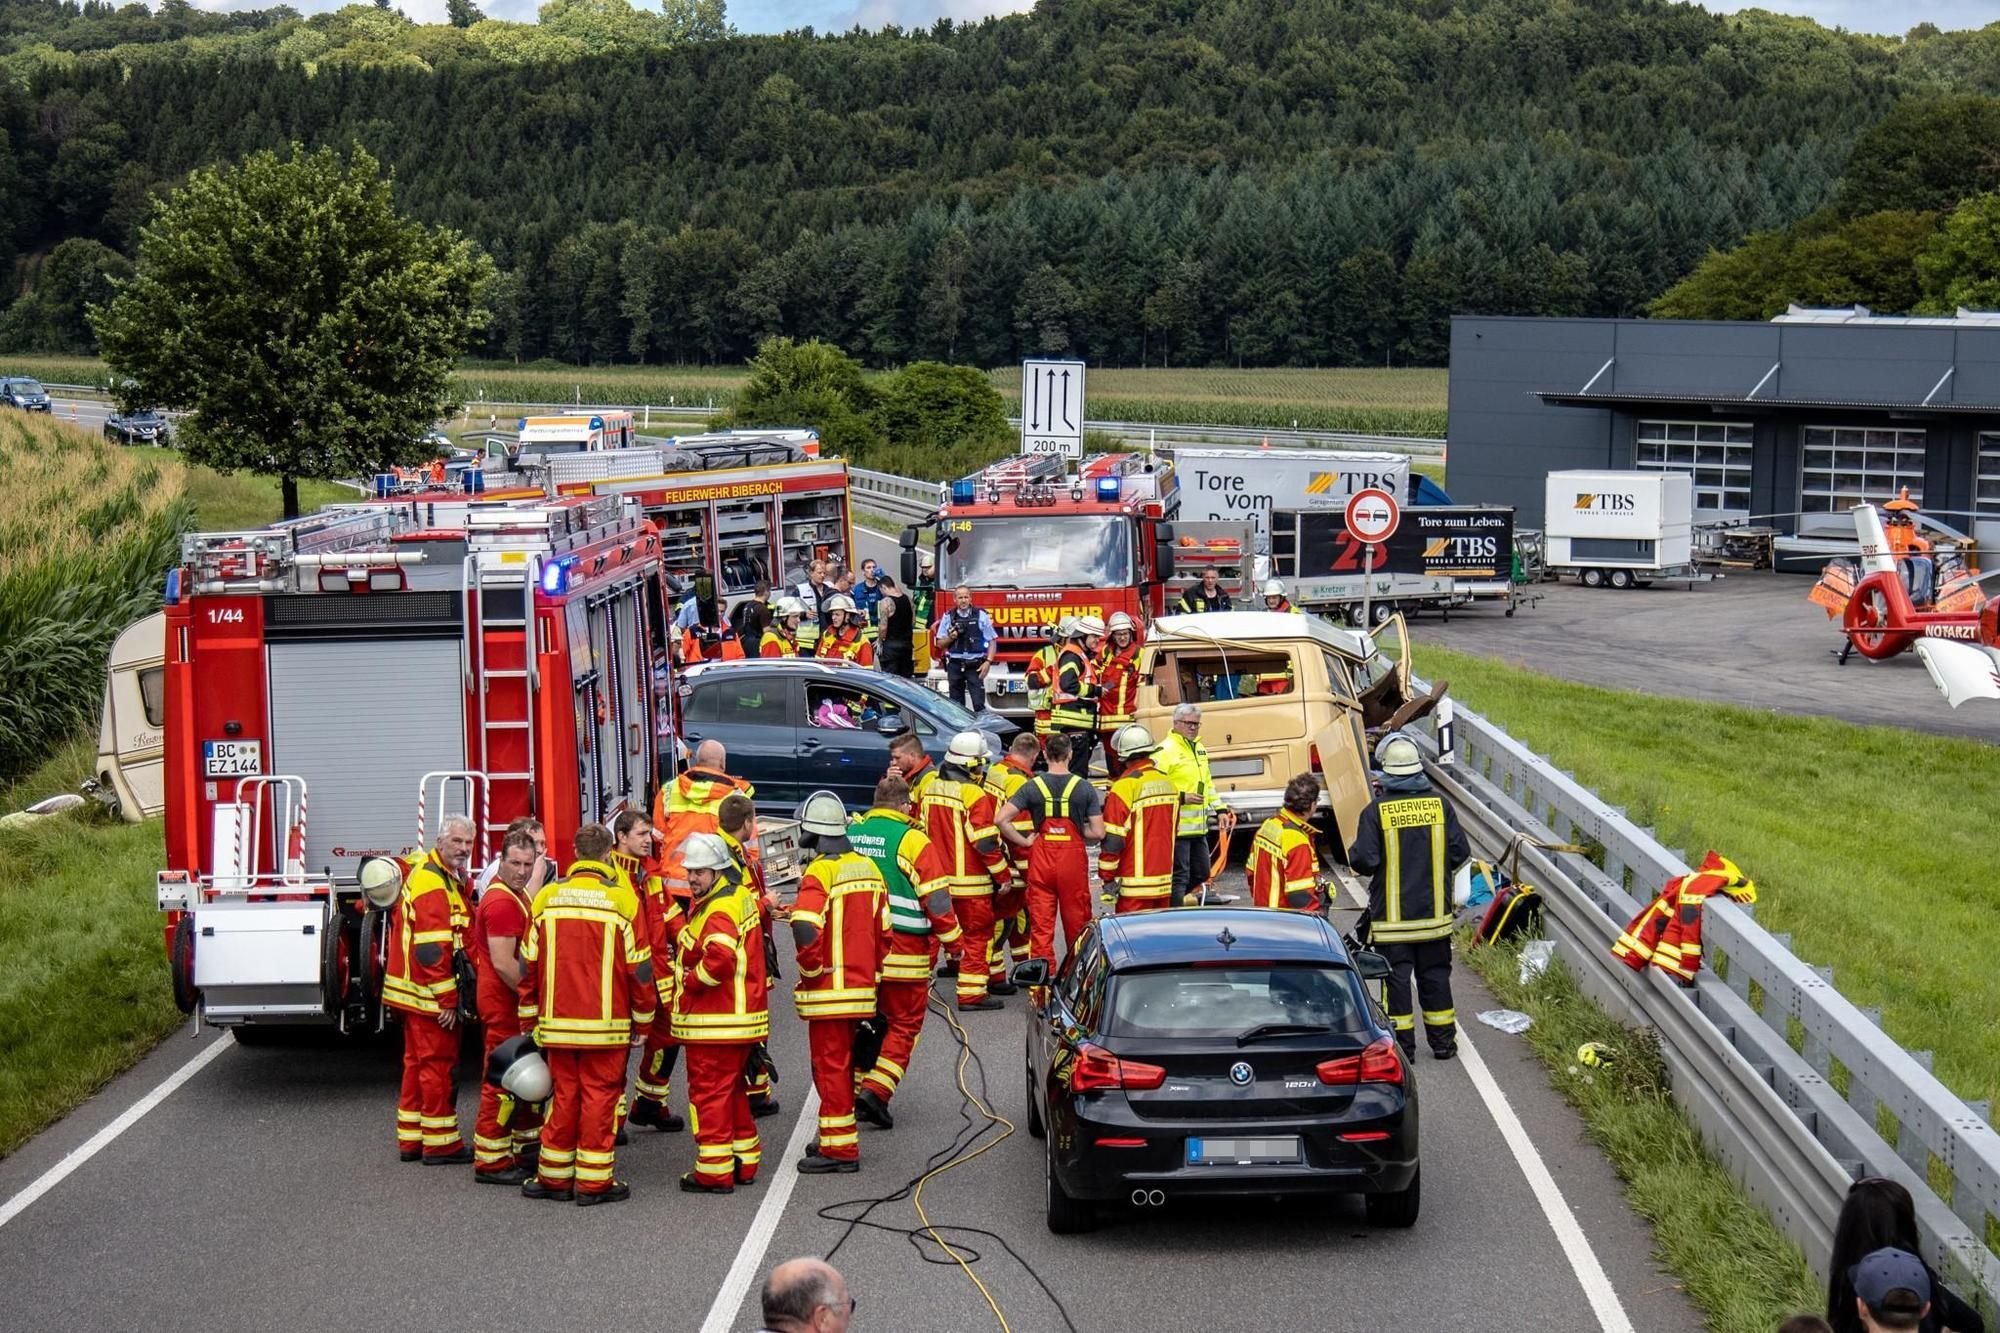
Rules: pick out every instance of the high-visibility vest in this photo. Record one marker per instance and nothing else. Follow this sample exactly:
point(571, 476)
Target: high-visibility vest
point(919, 897)
point(1411, 906)
point(687, 806)
point(1074, 705)
point(587, 973)
point(777, 643)
point(845, 898)
point(425, 934)
point(1140, 817)
point(719, 992)
point(1283, 872)
point(1185, 763)
point(1041, 674)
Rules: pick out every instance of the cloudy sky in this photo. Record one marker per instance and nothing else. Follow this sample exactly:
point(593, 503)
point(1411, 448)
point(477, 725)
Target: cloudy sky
point(1890, 16)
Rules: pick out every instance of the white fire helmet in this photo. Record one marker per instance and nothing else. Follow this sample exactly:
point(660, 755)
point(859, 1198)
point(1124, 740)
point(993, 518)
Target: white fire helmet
point(822, 813)
point(1065, 628)
point(381, 880)
point(1119, 620)
point(516, 1066)
point(790, 606)
point(1398, 756)
point(706, 851)
point(1131, 741)
point(1089, 627)
point(967, 748)
point(1274, 588)
point(840, 601)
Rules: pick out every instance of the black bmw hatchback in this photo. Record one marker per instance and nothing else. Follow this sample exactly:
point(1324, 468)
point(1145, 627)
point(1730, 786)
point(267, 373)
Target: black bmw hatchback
point(1217, 1051)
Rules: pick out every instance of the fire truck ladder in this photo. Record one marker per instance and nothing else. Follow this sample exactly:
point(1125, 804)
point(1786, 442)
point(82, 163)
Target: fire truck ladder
point(477, 792)
point(503, 682)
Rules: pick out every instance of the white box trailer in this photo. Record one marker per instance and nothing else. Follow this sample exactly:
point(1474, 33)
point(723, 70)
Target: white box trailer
point(1620, 528)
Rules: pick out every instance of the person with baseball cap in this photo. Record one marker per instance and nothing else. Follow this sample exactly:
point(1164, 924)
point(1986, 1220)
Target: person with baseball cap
point(1892, 1290)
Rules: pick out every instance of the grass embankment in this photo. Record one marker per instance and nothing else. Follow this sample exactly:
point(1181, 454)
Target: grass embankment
point(1867, 843)
point(1737, 1268)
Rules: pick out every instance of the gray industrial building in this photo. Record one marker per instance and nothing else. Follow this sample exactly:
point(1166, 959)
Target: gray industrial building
point(1787, 424)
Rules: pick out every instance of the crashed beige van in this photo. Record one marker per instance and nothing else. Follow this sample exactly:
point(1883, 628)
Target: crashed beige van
point(131, 737)
point(1281, 694)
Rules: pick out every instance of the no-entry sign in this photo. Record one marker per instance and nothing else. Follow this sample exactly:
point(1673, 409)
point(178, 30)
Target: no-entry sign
point(1373, 515)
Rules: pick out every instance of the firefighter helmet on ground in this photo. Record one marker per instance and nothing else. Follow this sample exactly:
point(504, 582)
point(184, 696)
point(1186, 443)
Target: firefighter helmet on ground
point(706, 851)
point(822, 813)
point(967, 748)
point(1398, 756)
point(381, 880)
point(1119, 620)
point(1132, 740)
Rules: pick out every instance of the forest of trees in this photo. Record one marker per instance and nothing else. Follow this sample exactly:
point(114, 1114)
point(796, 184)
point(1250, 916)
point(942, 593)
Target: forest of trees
point(1134, 181)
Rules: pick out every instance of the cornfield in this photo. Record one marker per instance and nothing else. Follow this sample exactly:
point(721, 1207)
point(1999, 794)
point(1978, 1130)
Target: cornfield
point(1370, 402)
point(661, 386)
point(87, 531)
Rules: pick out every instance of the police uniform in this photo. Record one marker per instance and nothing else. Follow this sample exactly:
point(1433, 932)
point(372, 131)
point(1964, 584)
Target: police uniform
point(1409, 842)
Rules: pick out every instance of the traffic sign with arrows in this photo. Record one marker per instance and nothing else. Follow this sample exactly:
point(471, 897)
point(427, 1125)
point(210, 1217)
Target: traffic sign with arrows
point(1052, 408)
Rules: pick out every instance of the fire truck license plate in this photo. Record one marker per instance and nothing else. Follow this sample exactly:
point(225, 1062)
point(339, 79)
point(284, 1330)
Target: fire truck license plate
point(232, 759)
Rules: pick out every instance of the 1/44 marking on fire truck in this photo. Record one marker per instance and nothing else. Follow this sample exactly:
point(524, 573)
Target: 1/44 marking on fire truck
point(225, 615)
point(232, 759)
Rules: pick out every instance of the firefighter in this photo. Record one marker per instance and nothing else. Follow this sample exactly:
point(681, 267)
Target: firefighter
point(781, 639)
point(706, 635)
point(908, 761)
point(1041, 678)
point(1409, 842)
point(920, 920)
point(426, 934)
point(661, 918)
point(1284, 867)
point(1010, 909)
point(721, 1014)
point(840, 923)
point(957, 814)
point(1061, 812)
point(842, 636)
point(923, 597)
point(1136, 858)
point(1208, 595)
point(1276, 600)
point(589, 992)
point(687, 806)
point(1117, 667)
point(506, 1133)
point(1184, 759)
point(736, 820)
point(1073, 707)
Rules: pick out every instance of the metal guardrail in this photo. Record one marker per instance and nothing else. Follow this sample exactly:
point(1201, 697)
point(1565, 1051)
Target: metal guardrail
point(1797, 1090)
point(896, 497)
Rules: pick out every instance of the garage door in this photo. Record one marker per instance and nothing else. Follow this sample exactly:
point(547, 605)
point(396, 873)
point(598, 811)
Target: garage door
point(361, 721)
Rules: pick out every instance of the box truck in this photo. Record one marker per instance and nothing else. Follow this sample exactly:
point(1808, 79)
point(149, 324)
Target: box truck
point(1621, 528)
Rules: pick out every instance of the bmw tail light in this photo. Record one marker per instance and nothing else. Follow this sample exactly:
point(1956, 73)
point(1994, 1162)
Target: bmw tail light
point(1379, 1063)
point(1098, 1070)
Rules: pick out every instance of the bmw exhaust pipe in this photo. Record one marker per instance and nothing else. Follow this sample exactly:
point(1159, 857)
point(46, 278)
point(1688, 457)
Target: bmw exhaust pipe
point(1148, 1198)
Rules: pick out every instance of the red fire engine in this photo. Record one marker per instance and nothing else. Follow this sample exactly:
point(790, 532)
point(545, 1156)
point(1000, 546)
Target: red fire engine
point(334, 683)
point(1037, 543)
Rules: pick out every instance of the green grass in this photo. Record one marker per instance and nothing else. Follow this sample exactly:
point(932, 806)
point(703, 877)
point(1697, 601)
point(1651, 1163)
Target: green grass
point(1868, 844)
point(232, 501)
point(84, 993)
point(1736, 1267)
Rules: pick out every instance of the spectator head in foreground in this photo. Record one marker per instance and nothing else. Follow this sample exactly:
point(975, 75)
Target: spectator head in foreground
point(1805, 1323)
point(1892, 1289)
point(806, 1294)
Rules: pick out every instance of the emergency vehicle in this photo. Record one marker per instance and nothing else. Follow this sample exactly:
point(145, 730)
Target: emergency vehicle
point(334, 685)
point(573, 433)
point(1036, 543)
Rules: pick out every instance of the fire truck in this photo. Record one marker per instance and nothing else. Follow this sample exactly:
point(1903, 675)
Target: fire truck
point(1036, 542)
point(336, 685)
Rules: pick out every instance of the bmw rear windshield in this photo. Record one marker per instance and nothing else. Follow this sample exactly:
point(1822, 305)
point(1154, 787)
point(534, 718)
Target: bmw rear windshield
point(1231, 1000)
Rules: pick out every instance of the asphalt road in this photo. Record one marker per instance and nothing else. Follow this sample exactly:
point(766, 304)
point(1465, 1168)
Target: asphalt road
point(83, 413)
point(265, 1191)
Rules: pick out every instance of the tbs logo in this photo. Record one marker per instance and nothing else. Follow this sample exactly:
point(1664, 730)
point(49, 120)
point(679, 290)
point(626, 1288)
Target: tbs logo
point(1604, 502)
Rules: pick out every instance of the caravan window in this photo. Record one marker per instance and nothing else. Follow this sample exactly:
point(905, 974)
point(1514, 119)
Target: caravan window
point(153, 695)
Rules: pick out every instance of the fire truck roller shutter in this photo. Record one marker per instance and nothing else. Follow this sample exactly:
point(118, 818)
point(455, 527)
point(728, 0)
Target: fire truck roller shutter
point(361, 720)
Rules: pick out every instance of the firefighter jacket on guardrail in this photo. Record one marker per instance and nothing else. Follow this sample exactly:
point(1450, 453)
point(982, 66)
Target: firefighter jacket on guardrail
point(842, 897)
point(684, 807)
point(720, 988)
point(1141, 814)
point(1074, 706)
point(920, 915)
point(1283, 870)
point(426, 931)
point(957, 815)
point(587, 973)
point(1667, 934)
point(1408, 841)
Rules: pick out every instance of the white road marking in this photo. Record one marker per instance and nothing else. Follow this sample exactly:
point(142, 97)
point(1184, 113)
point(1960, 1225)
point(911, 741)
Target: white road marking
point(750, 1259)
point(1590, 1275)
point(103, 1138)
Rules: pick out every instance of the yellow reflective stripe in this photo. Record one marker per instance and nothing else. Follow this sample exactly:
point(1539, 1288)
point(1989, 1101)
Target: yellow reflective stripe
point(431, 937)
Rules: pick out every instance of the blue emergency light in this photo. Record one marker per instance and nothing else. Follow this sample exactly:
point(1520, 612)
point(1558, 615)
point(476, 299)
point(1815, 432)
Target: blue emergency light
point(173, 596)
point(964, 491)
point(555, 577)
point(1107, 488)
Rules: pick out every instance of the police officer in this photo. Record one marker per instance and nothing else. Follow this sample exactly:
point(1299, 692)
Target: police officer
point(966, 636)
point(1410, 844)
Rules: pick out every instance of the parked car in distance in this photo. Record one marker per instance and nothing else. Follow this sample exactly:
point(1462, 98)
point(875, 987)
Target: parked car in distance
point(794, 725)
point(26, 394)
point(1216, 1051)
point(143, 426)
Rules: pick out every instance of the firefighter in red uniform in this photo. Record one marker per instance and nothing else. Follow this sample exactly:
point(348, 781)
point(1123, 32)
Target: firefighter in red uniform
point(737, 819)
point(840, 922)
point(1041, 678)
point(1073, 707)
point(721, 1013)
point(705, 632)
point(1141, 815)
point(506, 1131)
point(687, 806)
point(1117, 667)
point(587, 989)
point(920, 920)
point(781, 639)
point(661, 918)
point(844, 636)
point(957, 815)
point(426, 933)
point(1010, 909)
point(908, 761)
point(1061, 812)
point(1284, 868)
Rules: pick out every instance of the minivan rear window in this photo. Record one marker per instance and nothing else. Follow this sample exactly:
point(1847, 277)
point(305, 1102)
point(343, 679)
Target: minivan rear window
point(1229, 1001)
